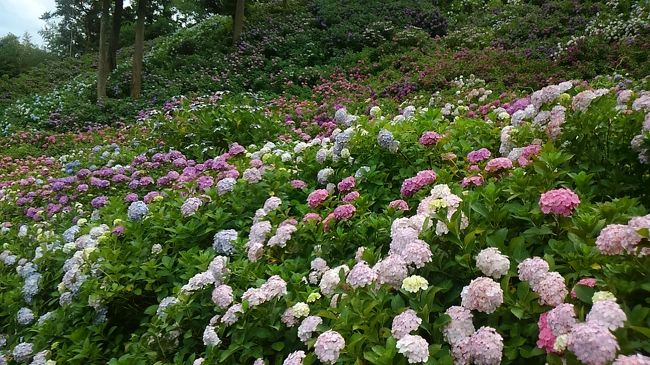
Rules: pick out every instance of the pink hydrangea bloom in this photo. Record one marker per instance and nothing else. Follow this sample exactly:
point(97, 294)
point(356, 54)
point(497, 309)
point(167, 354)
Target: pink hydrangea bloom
point(430, 138)
point(545, 339)
point(614, 239)
point(551, 289)
point(636, 359)
point(478, 155)
point(532, 270)
point(498, 164)
point(559, 201)
point(317, 197)
point(472, 180)
point(482, 294)
point(486, 346)
point(344, 212)
point(561, 319)
point(351, 196)
point(347, 184)
point(311, 217)
point(398, 205)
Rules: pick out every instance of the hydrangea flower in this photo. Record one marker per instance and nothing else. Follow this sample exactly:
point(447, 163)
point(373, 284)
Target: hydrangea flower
point(615, 239)
point(137, 210)
point(607, 313)
point(429, 138)
point(222, 296)
point(328, 347)
point(347, 184)
point(492, 263)
point(317, 197)
point(295, 358)
point(361, 275)
point(414, 283)
point(551, 289)
point(226, 185)
point(414, 348)
point(210, 337)
point(532, 270)
point(486, 346)
point(545, 338)
point(307, 327)
point(344, 212)
point(561, 319)
point(190, 206)
point(405, 323)
point(460, 326)
point(223, 242)
point(636, 359)
point(559, 201)
point(398, 205)
point(482, 294)
point(478, 155)
point(498, 164)
point(592, 343)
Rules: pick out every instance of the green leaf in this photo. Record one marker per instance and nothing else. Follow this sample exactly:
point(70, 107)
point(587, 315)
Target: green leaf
point(518, 312)
point(278, 346)
point(584, 293)
point(642, 330)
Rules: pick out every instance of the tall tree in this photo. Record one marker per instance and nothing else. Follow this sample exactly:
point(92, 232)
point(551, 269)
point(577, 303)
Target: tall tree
point(73, 27)
point(138, 52)
point(115, 34)
point(102, 62)
point(238, 21)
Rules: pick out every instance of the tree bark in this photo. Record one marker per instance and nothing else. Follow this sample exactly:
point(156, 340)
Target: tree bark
point(102, 63)
point(138, 53)
point(238, 21)
point(115, 33)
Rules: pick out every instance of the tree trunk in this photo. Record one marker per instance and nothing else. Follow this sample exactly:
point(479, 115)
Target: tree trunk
point(138, 53)
point(115, 34)
point(102, 62)
point(238, 21)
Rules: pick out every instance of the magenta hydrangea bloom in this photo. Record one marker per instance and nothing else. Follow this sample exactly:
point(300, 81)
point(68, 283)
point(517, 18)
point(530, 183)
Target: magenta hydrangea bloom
point(420, 180)
point(351, 196)
point(559, 201)
point(344, 212)
point(317, 197)
point(298, 184)
point(614, 239)
point(545, 339)
point(347, 184)
point(478, 155)
point(430, 138)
